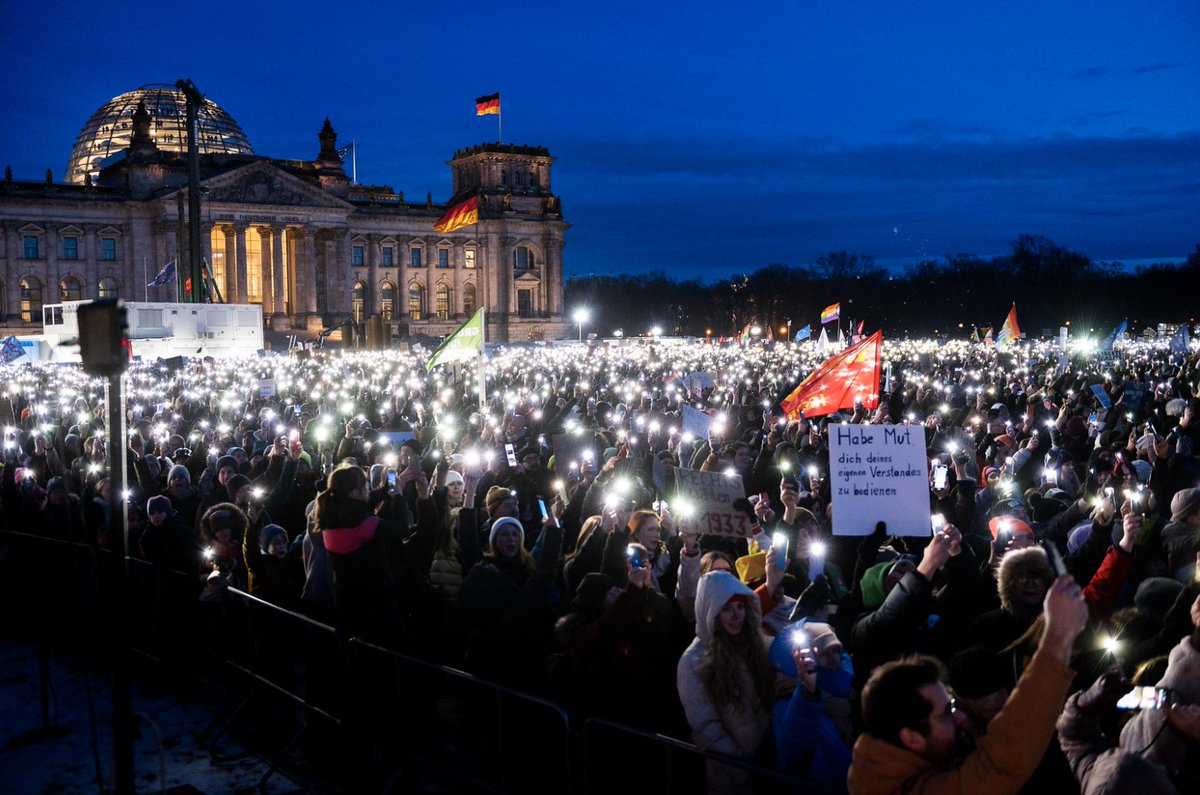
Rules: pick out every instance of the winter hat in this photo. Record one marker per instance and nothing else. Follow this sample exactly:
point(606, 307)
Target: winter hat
point(160, 503)
point(872, 584)
point(268, 533)
point(453, 477)
point(1006, 522)
point(1142, 470)
point(495, 496)
point(1185, 503)
point(181, 471)
point(817, 635)
point(1031, 561)
point(591, 593)
point(751, 568)
point(502, 522)
point(236, 484)
point(1156, 594)
point(55, 483)
point(224, 516)
point(988, 472)
point(227, 461)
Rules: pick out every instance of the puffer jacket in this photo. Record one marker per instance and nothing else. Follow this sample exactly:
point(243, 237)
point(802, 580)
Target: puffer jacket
point(1164, 745)
point(1100, 767)
point(733, 729)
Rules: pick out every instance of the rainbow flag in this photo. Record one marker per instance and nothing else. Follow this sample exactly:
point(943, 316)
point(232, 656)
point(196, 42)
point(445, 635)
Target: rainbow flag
point(462, 211)
point(1010, 330)
point(830, 313)
point(488, 106)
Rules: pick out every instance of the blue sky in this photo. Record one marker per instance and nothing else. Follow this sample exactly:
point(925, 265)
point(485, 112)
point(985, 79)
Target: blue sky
point(701, 138)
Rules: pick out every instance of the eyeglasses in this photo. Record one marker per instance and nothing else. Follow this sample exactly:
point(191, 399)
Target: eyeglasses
point(951, 709)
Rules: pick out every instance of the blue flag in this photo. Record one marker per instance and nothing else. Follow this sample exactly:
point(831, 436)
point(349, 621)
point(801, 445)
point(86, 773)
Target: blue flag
point(804, 333)
point(11, 350)
point(1107, 344)
point(165, 274)
point(1179, 343)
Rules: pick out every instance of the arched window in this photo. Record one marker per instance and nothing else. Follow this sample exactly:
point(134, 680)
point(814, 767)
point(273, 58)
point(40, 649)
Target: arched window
point(523, 259)
point(31, 300)
point(442, 301)
point(358, 300)
point(416, 301)
point(107, 288)
point(69, 290)
point(387, 301)
point(469, 306)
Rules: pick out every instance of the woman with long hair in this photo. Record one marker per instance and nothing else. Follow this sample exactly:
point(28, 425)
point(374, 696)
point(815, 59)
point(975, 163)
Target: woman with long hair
point(725, 679)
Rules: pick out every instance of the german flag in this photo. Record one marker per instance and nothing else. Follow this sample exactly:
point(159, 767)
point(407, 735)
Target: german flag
point(463, 210)
point(489, 105)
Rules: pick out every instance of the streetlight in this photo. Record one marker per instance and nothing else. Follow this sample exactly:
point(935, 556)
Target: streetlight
point(581, 316)
point(656, 331)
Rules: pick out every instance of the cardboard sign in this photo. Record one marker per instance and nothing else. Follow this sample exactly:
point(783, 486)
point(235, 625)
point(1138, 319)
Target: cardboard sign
point(1102, 395)
point(397, 438)
point(712, 494)
point(266, 387)
point(879, 473)
point(696, 422)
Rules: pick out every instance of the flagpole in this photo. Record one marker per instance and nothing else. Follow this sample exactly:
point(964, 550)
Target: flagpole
point(482, 360)
point(500, 124)
point(145, 277)
point(353, 161)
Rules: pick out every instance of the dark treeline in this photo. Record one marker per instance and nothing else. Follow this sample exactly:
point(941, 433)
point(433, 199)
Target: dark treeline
point(1051, 285)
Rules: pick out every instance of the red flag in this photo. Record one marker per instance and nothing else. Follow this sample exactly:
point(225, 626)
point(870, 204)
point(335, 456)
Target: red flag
point(844, 378)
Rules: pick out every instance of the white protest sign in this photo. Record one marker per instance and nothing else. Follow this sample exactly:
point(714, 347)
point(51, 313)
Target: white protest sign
point(266, 387)
point(879, 473)
point(710, 497)
point(696, 422)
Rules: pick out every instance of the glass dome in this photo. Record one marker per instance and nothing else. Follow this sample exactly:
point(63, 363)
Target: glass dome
point(107, 132)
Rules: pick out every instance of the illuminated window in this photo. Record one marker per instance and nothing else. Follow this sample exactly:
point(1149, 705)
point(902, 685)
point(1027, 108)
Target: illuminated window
point(254, 286)
point(69, 290)
point(31, 246)
point(217, 244)
point(358, 300)
point(416, 301)
point(387, 301)
point(443, 258)
point(388, 258)
point(107, 288)
point(31, 300)
point(356, 256)
point(469, 299)
point(442, 301)
point(108, 248)
point(70, 248)
point(469, 258)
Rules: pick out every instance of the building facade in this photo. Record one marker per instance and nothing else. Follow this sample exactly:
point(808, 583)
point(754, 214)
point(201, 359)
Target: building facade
point(293, 236)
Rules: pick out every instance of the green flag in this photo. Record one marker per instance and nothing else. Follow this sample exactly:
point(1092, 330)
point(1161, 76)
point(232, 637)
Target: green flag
point(463, 344)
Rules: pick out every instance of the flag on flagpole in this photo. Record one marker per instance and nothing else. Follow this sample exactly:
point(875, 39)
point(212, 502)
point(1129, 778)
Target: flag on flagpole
point(830, 313)
point(165, 274)
point(804, 333)
point(744, 337)
point(465, 343)
point(823, 341)
point(1179, 343)
point(842, 380)
point(462, 210)
point(974, 333)
point(11, 350)
point(1117, 333)
point(1010, 330)
point(488, 106)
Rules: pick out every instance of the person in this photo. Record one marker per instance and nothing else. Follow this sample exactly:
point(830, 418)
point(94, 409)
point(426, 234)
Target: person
point(725, 679)
point(914, 732)
point(375, 586)
point(275, 575)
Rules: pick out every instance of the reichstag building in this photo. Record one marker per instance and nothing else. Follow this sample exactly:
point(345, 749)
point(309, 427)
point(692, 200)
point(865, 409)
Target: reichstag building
point(295, 236)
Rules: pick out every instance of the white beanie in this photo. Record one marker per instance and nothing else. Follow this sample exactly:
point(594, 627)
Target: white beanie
point(453, 477)
point(501, 522)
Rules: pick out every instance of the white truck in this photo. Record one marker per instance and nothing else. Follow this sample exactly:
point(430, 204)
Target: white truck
point(157, 330)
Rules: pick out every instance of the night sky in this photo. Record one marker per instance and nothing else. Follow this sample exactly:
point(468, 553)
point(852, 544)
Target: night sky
point(702, 138)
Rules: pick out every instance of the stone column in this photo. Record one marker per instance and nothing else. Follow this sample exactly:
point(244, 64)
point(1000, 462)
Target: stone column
point(125, 242)
point(554, 275)
point(372, 298)
point(240, 277)
point(346, 272)
point(279, 319)
point(229, 288)
point(311, 285)
point(267, 273)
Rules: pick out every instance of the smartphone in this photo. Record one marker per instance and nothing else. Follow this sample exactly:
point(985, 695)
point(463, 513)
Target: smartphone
point(391, 478)
point(1056, 559)
point(779, 550)
point(937, 523)
point(940, 472)
point(511, 454)
point(542, 508)
point(1003, 537)
point(635, 557)
point(1145, 697)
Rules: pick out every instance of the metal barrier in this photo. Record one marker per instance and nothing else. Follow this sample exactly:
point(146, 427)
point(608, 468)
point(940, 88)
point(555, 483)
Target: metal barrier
point(654, 763)
point(52, 587)
point(448, 723)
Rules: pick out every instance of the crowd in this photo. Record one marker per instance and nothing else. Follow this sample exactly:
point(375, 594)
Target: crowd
point(532, 535)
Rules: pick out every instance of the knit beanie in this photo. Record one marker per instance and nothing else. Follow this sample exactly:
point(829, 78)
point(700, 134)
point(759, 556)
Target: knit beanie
point(453, 477)
point(503, 522)
point(181, 471)
point(495, 496)
point(160, 503)
point(268, 533)
point(56, 483)
point(234, 485)
point(1185, 503)
point(227, 461)
point(872, 584)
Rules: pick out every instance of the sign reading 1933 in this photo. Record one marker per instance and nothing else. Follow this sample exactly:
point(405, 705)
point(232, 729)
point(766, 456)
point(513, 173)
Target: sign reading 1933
point(879, 473)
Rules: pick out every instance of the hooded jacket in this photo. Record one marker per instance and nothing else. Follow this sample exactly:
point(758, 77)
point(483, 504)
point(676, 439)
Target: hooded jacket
point(1147, 729)
point(1099, 766)
point(732, 729)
